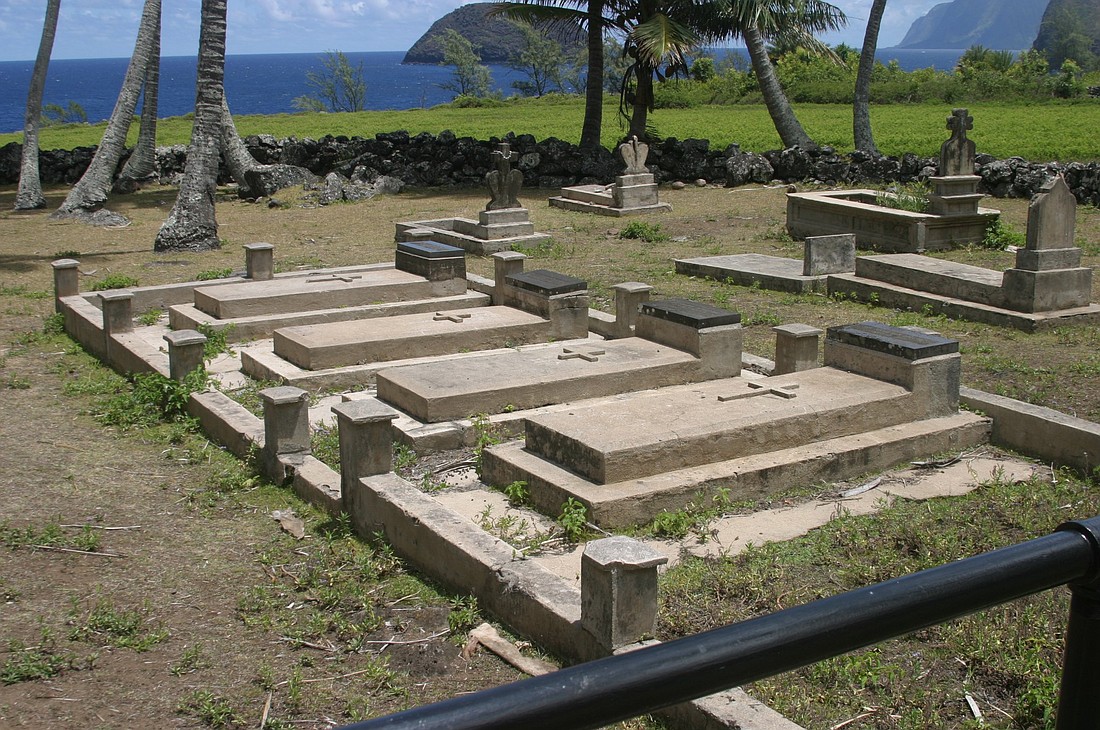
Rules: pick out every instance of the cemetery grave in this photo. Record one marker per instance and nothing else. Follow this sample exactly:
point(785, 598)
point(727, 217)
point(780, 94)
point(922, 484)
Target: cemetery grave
point(954, 217)
point(503, 225)
point(633, 193)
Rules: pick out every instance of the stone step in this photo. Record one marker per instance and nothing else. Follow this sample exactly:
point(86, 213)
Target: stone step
point(683, 426)
point(597, 194)
point(324, 291)
point(340, 344)
point(754, 477)
point(935, 276)
point(518, 380)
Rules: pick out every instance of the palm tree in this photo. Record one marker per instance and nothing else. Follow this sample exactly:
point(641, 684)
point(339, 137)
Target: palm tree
point(30, 184)
point(658, 33)
point(584, 16)
point(143, 160)
point(191, 225)
point(861, 106)
point(783, 21)
point(90, 192)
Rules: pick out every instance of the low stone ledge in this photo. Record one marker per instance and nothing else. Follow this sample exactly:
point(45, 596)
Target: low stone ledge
point(1039, 432)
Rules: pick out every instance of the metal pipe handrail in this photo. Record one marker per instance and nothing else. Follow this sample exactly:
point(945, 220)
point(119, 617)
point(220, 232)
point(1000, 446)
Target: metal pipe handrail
point(615, 688)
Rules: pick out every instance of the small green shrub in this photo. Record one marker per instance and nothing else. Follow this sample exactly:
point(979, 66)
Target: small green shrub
point(463, 615)
point(210, 709)
point(517, 492)
point(109, 626)
point(648, 232)
point(114, 281)
point(573, 520)
point(151, 317)
point(212, 274)
point(908, 196)
point(54, 324)
point(217, 340)
point(1000, 235)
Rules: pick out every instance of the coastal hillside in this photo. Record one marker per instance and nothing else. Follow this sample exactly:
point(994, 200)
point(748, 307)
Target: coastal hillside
point(998, 24)
point(1070, 29)
point(496, 39)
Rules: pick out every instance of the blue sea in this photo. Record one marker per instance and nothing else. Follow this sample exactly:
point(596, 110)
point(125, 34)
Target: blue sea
point(268, 83)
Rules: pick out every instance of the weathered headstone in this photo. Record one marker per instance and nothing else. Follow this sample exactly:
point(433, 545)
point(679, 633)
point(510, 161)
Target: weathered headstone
point(957, 153)
point(504, 182)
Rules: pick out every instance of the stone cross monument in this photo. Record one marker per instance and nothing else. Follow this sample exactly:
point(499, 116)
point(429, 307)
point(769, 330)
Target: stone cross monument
point(957, 152)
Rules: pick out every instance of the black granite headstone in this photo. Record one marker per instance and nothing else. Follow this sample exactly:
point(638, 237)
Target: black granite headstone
point(546, 282)
point(906, 343)
point(430, 249)
point(692, 314)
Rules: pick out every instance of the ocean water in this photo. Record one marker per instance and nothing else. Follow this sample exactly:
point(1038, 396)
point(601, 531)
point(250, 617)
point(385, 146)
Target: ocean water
point(268, 83)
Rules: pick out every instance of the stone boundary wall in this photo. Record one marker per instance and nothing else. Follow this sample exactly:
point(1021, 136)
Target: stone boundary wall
point(427, 160)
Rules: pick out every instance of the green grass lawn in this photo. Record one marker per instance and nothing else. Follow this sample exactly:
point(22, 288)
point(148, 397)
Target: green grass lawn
point(1039, 132)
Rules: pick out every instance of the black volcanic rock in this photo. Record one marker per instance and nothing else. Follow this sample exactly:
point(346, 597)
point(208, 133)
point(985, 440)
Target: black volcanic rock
point(997, 24)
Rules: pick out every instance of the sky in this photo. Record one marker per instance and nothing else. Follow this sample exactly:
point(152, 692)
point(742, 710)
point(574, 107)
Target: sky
point(107, 28)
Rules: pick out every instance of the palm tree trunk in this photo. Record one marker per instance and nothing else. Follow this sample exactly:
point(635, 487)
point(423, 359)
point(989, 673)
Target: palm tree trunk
point(143, 160)
point(191, 226)
point(593, 90)
point(90, 193)
point(861, 106)
point(643, 102)
point(30, 184)
point(779, 108)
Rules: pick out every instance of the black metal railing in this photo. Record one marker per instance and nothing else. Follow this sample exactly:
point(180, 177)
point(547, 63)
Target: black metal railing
point(616, 688)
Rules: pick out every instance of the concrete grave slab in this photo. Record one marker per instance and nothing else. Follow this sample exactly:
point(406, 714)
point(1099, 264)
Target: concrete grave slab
point(325, 346)
point(687, 426)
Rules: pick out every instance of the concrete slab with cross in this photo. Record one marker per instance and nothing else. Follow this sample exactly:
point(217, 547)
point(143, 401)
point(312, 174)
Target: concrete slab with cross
point(645, 434)
point(340, 344)
point(530, 378)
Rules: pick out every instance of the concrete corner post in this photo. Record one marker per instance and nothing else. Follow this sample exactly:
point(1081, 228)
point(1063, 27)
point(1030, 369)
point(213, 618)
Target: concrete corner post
point(366, 445)
point(286, 428)
point(628, 297)
point(619, 590)
point(118, 311)
point(505, 264)
point(66, 280)
point(796, 347)
point(185, 352)
point(259, 261)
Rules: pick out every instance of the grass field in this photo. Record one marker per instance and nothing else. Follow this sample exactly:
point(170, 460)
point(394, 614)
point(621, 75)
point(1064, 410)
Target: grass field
point(1038, 132)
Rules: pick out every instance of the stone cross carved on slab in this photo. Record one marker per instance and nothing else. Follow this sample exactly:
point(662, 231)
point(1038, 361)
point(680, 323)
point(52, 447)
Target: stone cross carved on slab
point(1051, 217)
point(634, 154)
point(504, 182)
point(957, 153)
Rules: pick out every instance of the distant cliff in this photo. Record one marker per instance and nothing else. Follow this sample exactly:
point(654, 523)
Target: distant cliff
point(1070, 28)
point(496, 39)
point(997, 24)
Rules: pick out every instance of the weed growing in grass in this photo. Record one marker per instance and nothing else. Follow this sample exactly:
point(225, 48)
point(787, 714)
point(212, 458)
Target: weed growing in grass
point(324, 443)
point(463, 615)
point(768, 319)
point(486, 434)
point(217, 340)
point(151, 317)
point(693, 518)
point(573, 520)
point(517, 492)
point(210, 709)
point(648, 232)
point(548, 249)
point(212, 274)
point(54, 324)
point(50, 535)
point(1000, 235)
point(908, 196)
point(29, 663)
point(21, 290)
point(516, 531)
point(115, 281)
point(190, 660)
point(67, 254)
point(107, 625)
point(151, 400)
point(17, 382)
